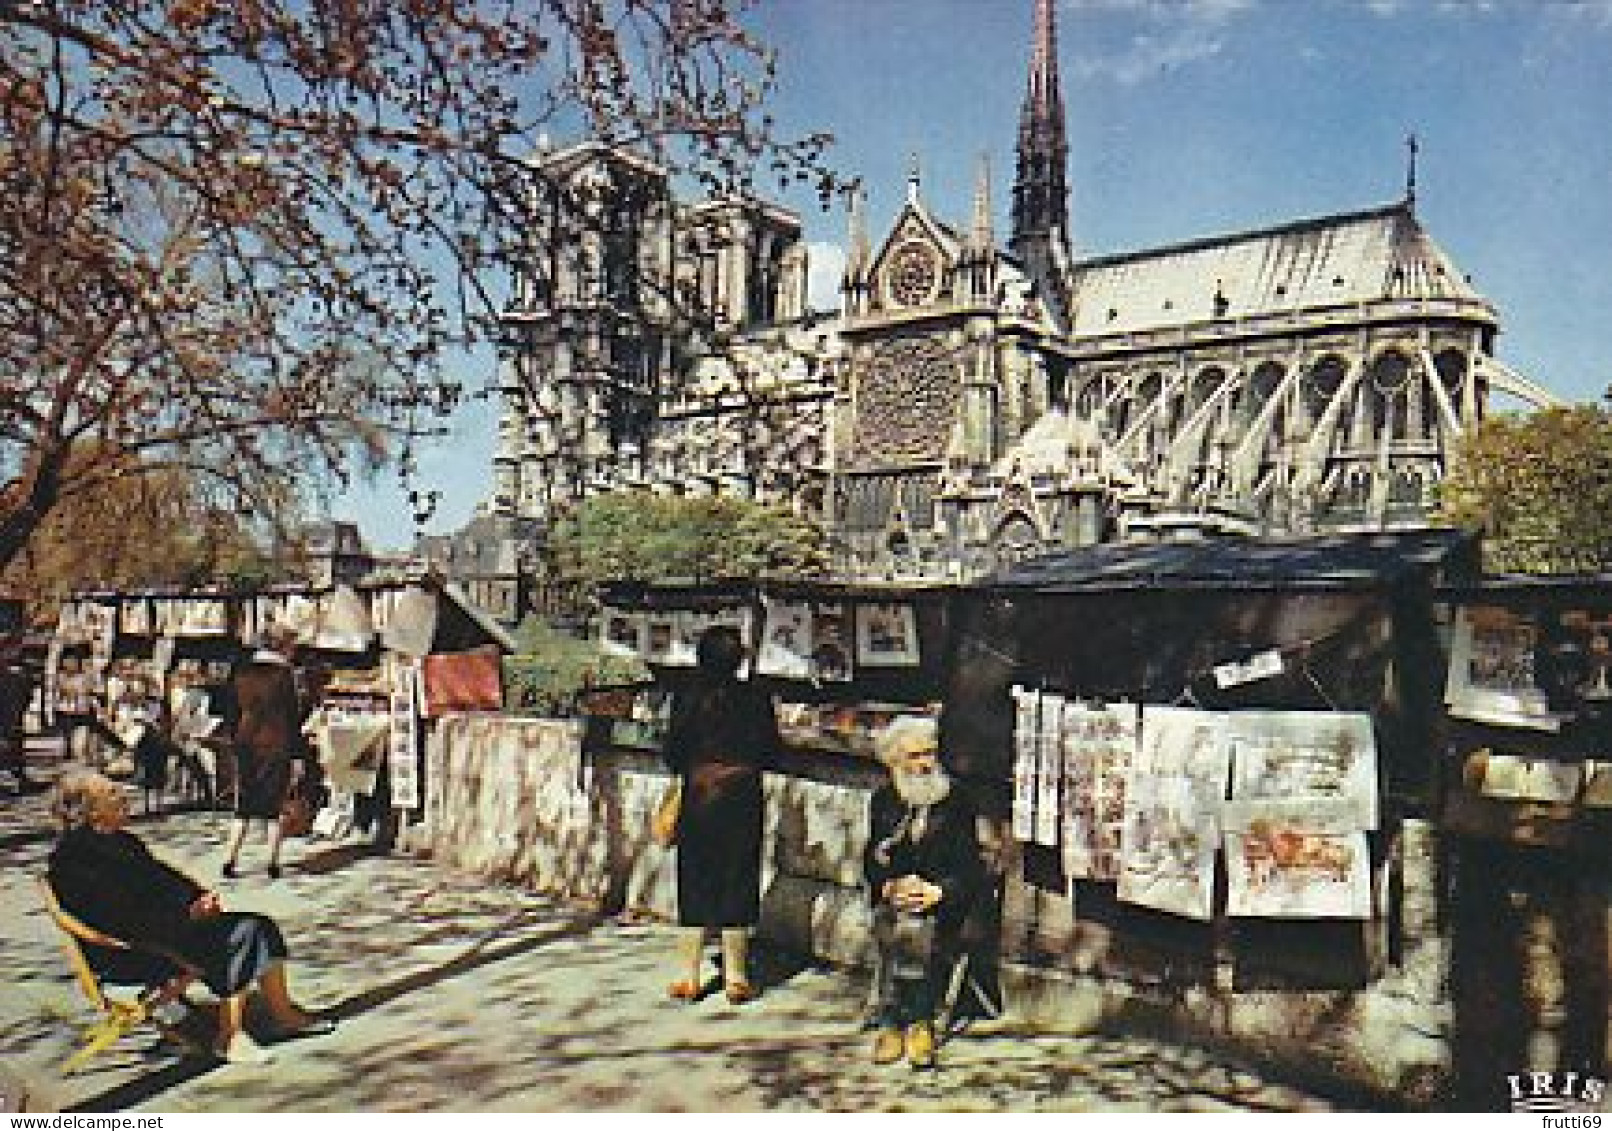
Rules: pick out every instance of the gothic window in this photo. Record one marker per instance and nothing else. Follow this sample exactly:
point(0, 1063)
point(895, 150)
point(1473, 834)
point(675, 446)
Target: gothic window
point(1016, 539)
point(913, 275)
point(1204, 387)
point(1262, 386)
point(1391, 372)
point(1452, 371)
point(906, 399)
point(1322, 383)
point(1091, 397)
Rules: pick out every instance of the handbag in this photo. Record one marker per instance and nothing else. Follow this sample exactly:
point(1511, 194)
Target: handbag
point(296, 815)
point(663, 822)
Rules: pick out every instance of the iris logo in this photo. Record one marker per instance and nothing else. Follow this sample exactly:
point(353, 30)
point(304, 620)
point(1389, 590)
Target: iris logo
point(1555, 1092)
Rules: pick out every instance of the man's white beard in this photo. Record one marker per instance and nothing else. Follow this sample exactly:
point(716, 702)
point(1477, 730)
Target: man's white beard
point(922, 790)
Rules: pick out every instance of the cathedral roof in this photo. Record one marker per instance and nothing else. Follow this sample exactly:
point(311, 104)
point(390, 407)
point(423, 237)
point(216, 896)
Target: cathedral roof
point(1382, 254)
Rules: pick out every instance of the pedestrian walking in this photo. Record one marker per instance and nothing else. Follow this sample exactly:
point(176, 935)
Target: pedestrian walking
point(269, 744)
point(722, 732)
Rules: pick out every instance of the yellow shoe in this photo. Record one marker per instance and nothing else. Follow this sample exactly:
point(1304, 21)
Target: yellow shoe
point(888, 1046)
point(921, 1045)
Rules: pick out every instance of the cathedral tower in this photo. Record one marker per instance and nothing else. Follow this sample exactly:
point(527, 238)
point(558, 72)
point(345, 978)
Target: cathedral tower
point(1040, 189)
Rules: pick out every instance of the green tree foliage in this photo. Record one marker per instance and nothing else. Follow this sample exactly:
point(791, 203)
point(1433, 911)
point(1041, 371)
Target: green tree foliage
point(658, 538)
point(1539, 486)
point(549, 669)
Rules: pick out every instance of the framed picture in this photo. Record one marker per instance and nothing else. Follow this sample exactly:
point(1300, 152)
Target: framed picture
point(887, 636)
point(832, 633)
point(786, 639)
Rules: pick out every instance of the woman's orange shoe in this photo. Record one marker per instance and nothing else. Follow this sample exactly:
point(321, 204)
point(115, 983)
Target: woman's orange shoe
point(684, 990)
point(741, 992)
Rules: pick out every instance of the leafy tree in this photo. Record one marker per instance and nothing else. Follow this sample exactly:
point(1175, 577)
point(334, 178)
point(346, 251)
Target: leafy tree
point(144, 529)
point(549, 669)
point(241, 237)
point(1540, 488)
point(659, 538)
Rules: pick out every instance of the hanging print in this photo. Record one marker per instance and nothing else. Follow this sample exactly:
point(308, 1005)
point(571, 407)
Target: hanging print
point(1326, 760)
point(1026, 750)
point(887, 636)
point(786, 639)
point(1172, 808)
point(1049, 769)
point(660, 636)
point(1099, 744)
point(831, 642)
point(621, 633)
point(1492, 676)
point(1276, 871)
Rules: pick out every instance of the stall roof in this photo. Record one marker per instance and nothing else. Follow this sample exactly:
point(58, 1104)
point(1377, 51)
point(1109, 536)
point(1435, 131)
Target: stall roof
point(1219, 562)
point(636, 594)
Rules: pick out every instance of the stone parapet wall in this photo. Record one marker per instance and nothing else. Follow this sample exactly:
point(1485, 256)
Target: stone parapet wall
point(517, 799)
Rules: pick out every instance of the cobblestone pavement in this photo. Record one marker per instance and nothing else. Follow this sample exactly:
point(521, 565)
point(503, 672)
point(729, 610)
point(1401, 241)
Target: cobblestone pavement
point(456, 994)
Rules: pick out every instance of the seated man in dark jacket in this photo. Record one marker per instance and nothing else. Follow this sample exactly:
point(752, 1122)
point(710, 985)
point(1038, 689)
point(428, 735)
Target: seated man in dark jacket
point(923, 867)
point(107, 877)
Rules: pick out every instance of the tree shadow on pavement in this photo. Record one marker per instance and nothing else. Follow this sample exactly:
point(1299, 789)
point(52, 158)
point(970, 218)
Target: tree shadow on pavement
point(477, 955)
point(334, 859)
point(148, 1086)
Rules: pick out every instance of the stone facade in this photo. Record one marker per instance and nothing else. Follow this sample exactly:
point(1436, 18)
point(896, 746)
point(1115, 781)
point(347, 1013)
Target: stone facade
point(970, 403)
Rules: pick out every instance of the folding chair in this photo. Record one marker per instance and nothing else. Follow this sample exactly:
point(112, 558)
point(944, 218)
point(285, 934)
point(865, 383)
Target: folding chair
point(118, 1016)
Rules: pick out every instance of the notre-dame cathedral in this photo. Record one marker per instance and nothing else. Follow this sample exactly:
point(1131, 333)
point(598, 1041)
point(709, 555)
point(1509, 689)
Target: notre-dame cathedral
point(972, 403)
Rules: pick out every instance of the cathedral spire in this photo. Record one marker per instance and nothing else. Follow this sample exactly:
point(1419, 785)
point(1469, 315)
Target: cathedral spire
point(1045, 95)
point(1040, 186)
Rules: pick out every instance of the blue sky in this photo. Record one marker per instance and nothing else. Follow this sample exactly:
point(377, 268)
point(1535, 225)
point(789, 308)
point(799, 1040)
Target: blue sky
point(1190, 118)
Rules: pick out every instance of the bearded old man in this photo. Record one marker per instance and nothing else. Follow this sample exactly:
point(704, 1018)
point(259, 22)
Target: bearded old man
point(923, 868)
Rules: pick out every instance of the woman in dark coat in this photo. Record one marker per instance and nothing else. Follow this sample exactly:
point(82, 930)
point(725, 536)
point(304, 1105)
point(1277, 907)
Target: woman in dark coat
point(268, 718)
point(107, 877)
point(722, 733)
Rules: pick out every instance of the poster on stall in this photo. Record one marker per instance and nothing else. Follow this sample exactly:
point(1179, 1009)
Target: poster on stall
point(1597, 785)
point(162, 655)
point(1049, 770)
point(1581, 659)
point(134, 617)
point(1275, 871)
point(1186, 743)
point(1327, 760)
point(1026, 752)
point(1172, 811)
point(1099, 744)
point(1492, 677)
point(402, 760)
point(1513, 777)
point(887, 636)
point(786, 639)
point(99, 624)
point(202, 616)
point(832, 635)
point(50, 698)
point(1167, 852)
point(621, 633)
point(660, 636)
